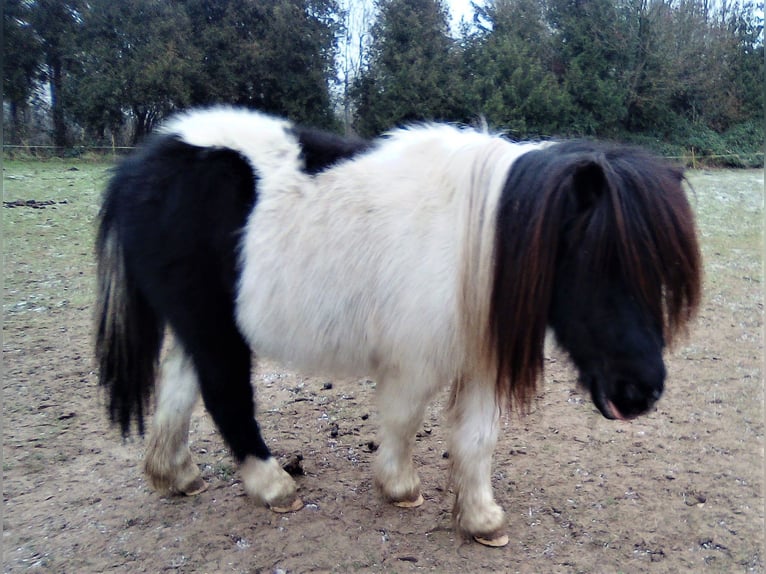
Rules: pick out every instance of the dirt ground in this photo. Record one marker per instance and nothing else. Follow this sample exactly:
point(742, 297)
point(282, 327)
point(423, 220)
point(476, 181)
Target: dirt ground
point(678, 490)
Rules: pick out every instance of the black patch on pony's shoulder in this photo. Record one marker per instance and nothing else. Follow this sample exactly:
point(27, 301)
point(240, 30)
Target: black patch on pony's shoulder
point(320, 149)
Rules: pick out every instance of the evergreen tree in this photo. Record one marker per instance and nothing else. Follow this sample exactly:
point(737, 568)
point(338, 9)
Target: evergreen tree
point(136, 61)
point(411, 72)
point(589, 36)
point(509, 71)
point(274, 55)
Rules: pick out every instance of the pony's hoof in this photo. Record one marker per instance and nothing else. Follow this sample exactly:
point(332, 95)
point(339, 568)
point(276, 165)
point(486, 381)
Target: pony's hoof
point(410, 503)
point(195, 487)
point(495, 542)
point(296, 505)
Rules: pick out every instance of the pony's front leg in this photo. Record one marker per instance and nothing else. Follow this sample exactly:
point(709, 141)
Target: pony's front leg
point(168, 462)
point(401, 407)
point(474, 422)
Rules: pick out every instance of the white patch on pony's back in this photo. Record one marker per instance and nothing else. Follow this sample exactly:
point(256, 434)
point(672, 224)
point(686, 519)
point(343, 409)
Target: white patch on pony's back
point(360, 271)
point(262, 139)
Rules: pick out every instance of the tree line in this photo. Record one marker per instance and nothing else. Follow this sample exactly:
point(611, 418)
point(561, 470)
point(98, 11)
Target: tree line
point(672, 74)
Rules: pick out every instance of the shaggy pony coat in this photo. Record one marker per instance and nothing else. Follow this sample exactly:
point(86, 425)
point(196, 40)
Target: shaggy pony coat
point(432, 256)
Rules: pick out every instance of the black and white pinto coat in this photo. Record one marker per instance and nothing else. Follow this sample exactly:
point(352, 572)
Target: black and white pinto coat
point(433, 256)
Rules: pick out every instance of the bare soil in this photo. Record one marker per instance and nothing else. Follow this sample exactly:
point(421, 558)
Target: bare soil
point(678, 490)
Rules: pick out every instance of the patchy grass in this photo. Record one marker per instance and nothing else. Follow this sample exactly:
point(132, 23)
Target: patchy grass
point(729, 206)
point(49, 247)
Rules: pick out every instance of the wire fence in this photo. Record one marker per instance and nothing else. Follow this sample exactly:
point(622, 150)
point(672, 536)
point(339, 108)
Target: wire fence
point(696, 160)
point(51, 151)
point(693, 158)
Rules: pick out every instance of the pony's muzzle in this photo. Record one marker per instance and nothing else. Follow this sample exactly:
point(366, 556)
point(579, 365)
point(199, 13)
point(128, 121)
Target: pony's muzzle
point(624, 399)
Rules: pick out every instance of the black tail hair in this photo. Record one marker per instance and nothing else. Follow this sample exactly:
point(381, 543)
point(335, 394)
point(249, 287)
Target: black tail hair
point(128, 332)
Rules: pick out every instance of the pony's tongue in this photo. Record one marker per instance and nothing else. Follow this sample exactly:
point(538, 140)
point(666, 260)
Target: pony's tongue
point(615, 411)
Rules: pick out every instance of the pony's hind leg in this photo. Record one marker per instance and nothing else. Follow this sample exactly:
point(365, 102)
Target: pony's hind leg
point(401, 405)
point(168, 462)
point(216, 362)
point(475, 415)
point(223, 361)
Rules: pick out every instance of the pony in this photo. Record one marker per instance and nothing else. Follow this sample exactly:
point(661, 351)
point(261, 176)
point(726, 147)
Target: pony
point(434, 255)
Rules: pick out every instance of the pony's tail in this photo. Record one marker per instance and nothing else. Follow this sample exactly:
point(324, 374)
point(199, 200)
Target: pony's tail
point(128, 331)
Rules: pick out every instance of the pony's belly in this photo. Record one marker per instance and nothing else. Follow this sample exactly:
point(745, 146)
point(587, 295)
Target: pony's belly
point(312, 357)
point(308, 337)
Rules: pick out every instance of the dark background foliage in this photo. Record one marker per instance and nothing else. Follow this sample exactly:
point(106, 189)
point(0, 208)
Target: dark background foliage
point(680, 76)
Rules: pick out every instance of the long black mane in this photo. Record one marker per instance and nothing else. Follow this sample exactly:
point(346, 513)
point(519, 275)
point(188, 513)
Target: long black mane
point(617, 209)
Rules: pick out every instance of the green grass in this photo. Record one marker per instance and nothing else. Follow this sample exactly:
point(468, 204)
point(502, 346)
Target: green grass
point(49, 251)
point(729, 207)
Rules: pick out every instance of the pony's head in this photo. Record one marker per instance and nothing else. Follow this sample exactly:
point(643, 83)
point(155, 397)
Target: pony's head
point(599, 244)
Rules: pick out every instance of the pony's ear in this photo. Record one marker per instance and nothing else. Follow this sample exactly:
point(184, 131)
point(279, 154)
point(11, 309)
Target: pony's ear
point(588, 184)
